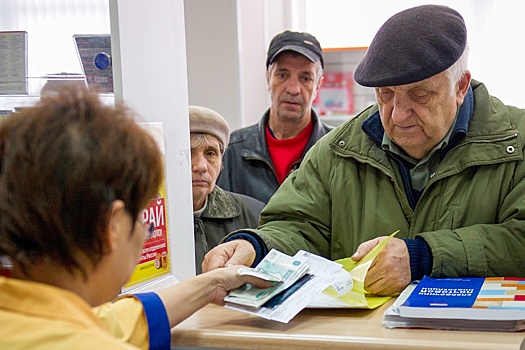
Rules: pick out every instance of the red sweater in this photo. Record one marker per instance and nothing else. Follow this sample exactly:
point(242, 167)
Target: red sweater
point(284, 153)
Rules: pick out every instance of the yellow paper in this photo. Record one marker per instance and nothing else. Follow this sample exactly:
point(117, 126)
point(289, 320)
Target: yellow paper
point(358, 297)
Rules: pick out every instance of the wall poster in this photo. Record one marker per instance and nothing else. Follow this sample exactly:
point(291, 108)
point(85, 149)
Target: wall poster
point(155, 260)
point(13, 63)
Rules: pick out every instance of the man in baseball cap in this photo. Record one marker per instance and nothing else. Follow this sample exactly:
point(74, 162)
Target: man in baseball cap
point(261, 156)
point(304, 43)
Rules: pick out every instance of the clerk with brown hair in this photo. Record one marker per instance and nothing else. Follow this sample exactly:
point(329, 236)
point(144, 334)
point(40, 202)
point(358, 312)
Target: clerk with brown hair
point(75, 177)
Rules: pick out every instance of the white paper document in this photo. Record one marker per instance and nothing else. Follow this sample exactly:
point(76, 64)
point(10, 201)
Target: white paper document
point(298, 280)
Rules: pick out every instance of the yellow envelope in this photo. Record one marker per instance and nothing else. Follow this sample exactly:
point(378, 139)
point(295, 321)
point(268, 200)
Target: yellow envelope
point(358, 297)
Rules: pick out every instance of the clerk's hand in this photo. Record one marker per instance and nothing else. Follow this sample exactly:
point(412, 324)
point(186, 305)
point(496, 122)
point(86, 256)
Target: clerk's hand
point(389, 272)
point(236, 252)
point(228, 278)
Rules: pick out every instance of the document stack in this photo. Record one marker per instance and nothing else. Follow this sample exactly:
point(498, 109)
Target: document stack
point(469, 303)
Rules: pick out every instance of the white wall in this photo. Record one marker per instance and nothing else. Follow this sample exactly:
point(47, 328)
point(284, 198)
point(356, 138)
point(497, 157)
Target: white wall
point(494, 33)
point(253, 36)
point(494, 29)
point(149, 51)
point(213, 46)
point(50, 25)
point(227, 42)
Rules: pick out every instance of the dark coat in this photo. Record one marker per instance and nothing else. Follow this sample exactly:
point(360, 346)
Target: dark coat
point(225, 212)
point(247, 165)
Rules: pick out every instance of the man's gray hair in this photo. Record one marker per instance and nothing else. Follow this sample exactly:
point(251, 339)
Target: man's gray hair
point(458, 69)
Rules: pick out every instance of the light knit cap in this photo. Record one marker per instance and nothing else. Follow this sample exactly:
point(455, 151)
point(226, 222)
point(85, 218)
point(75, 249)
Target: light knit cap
point(207, 121)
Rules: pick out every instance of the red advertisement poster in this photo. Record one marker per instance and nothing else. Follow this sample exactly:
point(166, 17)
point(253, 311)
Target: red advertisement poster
point(154, 260)
point(336, 94)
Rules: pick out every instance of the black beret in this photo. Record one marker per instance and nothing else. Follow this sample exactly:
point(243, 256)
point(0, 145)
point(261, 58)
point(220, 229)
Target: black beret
point(304, 43)
point(413, 45)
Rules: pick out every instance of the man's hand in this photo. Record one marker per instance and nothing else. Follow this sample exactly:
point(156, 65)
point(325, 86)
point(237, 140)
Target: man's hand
point(389, 272)
point(237, 252)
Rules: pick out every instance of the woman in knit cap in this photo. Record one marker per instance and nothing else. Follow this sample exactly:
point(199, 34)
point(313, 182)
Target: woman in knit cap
point(216, 212)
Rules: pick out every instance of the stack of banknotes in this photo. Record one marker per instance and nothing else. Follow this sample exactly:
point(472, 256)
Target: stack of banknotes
point(282, 269)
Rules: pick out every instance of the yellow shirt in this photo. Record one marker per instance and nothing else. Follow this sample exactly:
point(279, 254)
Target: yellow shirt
point(39, 316)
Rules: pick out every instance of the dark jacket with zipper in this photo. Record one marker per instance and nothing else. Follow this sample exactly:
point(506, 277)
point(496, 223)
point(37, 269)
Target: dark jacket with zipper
point(248, 168)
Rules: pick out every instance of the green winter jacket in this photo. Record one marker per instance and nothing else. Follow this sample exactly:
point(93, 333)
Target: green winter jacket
point(471, 213)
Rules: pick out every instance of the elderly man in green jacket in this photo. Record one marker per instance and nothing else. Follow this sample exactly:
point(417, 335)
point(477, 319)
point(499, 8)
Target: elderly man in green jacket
point(436, 158)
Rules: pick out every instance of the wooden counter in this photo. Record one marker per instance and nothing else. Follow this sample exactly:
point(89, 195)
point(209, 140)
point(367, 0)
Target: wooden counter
point(218, 327)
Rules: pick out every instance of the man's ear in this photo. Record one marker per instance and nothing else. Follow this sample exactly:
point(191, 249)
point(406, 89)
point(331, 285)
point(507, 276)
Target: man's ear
point(319, 84)
point(268, 80)
point(462, 87)
point(113, 229)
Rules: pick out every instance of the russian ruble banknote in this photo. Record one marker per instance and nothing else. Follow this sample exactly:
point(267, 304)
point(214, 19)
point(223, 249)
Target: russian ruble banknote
point(282, 269)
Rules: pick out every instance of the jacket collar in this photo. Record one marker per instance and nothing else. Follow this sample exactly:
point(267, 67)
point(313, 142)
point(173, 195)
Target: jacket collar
point(490, 129)
point(258, 147)
point(220, 205)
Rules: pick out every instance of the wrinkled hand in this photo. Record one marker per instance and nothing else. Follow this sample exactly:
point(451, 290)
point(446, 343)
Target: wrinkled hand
point(228, 279)
point(237, 252)
point(389, 272)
